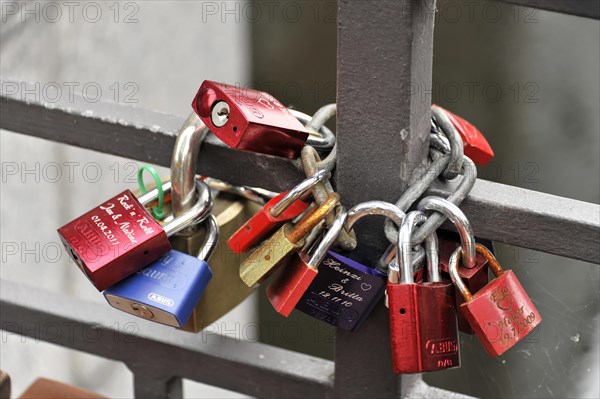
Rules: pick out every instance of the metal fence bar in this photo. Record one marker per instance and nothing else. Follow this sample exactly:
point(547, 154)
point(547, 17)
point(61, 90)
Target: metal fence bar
point(149, 386)
point(530, 219)
point(523, 217)
point(383, 130)
point(148, 348)
point(134, 133)
point(582, 8)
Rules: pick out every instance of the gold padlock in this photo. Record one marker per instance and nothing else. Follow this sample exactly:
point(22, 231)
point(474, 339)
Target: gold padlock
point(225, 290)
point(271, 253)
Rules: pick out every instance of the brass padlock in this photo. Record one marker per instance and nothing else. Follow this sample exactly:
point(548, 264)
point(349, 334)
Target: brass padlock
point(225, 290)
point(272, 252)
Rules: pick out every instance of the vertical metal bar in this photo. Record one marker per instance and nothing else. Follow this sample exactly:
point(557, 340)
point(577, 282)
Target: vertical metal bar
point(384, 81)
point(149, 386)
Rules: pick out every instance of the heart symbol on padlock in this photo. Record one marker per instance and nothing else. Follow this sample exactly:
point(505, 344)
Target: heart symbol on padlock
point(505, 303)
point(365, 286)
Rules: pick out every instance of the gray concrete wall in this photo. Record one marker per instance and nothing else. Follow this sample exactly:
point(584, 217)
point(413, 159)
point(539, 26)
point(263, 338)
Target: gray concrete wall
point(149, 54)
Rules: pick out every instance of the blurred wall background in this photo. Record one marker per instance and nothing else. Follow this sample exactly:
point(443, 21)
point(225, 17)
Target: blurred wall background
point(146, 54)
point(528, 79)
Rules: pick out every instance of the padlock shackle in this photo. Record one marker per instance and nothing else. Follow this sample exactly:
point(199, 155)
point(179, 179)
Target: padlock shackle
point(211, 240)
point(198, 212)
point(322, 139)
point(455, 276)
point(183, 163)
point(311, 219)
point(404, 260)
point(152, 195)
point(433, 258)
point(459, 219)
point(319, 252)
point(297, 192)
point(368, 208)
point(254, 194)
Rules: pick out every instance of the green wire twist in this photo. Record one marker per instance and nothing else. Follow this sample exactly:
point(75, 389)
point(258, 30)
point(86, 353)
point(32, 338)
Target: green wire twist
point(157, 211)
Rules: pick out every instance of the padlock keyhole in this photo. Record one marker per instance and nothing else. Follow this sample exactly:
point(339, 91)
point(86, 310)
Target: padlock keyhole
point(146, 252)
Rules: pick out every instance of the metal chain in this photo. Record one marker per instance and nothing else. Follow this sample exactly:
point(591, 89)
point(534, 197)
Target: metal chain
point(441, 119)
point(446, 147)
point(310, 160)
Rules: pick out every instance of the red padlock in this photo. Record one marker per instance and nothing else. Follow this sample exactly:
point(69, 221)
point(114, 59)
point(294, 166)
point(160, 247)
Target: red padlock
point(285, 291)
point(119, 237)
point(474, 270)
point(475, 145)
point(283, 208)
point(249, 120)
point(501, 313)
point(423, 325)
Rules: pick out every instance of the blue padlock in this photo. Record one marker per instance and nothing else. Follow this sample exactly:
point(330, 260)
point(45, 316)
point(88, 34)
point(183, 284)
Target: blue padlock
point(167, 290)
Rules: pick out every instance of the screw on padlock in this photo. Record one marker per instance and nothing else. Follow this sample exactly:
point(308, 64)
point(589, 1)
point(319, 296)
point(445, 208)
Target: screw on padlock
point(475, 271)
point(501, 313)
point(284, 207)
point(269, 255)
point(250, 120)
point(167, 290)
point(119, 237)
point(475, 145)
point(423, 325)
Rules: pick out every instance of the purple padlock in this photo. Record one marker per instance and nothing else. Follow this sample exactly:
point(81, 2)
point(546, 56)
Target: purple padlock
point(343, 293)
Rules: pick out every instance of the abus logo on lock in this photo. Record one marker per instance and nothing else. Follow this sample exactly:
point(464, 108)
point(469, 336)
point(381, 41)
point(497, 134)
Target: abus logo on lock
point(161, 299)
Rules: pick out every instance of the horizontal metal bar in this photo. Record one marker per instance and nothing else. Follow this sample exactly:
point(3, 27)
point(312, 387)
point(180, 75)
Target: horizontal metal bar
point(135, 133)
point(499, 212)
point(582, 8)
point(531, 219)
point(249, 367)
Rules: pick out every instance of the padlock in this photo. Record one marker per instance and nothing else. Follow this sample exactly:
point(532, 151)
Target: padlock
point(474, 279)
point(166, 291)
point(249, 120)
point(119, 237)
point(270, 254)
point(285, 291)
point(501, 313)
point(476, 146)
point(331, 287)
point(226, 290)
point(284, 207)
point(423, 325)
point(475, 270)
